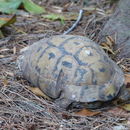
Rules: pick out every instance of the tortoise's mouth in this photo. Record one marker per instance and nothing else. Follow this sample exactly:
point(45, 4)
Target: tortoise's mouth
point(123, 96)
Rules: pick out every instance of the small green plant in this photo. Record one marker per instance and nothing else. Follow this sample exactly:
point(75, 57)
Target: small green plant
point(55, 17)
point(11, 6)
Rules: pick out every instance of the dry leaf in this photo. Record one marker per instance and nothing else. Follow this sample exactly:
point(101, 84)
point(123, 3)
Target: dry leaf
point(7, 20)
point(126, 107)
point(124, 67)
point(110, 41)
point(38, 92)
point(108, 49)
point(5, 82)
point(86, 112)
point(108, 45)
point(66, 116)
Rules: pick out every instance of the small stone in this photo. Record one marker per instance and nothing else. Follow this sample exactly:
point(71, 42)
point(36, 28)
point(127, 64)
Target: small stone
point(120, 127)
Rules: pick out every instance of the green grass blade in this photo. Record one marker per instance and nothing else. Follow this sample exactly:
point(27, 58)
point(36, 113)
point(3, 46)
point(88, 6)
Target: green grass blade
point(9, 6)
point(32, 7)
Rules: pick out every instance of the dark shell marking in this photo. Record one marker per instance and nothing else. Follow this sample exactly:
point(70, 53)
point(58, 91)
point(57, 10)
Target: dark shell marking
point(73, 65)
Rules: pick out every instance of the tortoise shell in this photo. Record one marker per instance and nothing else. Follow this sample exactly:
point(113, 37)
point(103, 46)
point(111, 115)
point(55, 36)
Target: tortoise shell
point(71, 68)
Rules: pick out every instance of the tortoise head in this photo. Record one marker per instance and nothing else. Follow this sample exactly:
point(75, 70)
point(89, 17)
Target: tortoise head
point(124, 94)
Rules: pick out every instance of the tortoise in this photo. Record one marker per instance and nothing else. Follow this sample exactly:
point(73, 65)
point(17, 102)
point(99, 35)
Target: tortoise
point(72, 70)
